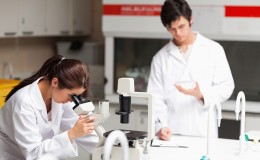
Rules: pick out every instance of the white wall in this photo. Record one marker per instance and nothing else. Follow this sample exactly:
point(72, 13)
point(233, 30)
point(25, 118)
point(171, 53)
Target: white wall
point(25, 54)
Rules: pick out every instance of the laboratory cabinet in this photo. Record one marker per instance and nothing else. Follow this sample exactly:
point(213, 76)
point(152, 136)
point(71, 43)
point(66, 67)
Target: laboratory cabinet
point(81, 17)
point(230, 127)
point(58, 15)
point(8, 18)
point(32, 17)
point(68, 17)
point(23, 18)
point(252, 122)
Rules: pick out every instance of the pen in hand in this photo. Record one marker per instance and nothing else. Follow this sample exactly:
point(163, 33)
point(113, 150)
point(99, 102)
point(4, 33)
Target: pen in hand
point(165, 132)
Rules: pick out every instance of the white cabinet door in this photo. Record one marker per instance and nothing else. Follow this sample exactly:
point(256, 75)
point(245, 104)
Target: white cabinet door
point(8, 17)
point(81, 17)
point(32, 17)
point(58, 17)
point(252, 122)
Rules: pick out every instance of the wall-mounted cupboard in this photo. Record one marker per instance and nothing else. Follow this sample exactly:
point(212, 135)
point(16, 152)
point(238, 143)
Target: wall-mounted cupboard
point(21, 18)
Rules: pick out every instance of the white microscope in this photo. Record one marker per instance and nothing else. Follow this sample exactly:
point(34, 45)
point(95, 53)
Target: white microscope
point(139, 142)
point(138, 150)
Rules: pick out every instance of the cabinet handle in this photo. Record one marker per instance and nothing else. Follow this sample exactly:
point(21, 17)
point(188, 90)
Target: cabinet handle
point(64, 32)
point(23, 20)
point(27, 32)
point(10, 33)
point(144, 113)
point(74, 21)
point(78, 32)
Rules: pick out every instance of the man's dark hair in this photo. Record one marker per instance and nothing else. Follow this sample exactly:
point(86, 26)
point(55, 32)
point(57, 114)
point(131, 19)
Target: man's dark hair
point(173, 10)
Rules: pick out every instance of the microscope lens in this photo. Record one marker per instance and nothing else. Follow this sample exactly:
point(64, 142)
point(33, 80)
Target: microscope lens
point(125, 108)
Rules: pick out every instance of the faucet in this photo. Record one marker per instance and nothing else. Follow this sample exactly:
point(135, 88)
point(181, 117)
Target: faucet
point(112, 137)
point(241, 97)
point(217, 105)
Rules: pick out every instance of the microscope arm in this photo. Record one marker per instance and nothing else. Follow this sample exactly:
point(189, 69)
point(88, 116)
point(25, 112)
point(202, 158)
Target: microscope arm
point(125, 88)
point(151, 128)
point(99, 129)
point(101, 116)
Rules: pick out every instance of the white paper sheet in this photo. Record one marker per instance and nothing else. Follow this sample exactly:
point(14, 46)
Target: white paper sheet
point(173, 142)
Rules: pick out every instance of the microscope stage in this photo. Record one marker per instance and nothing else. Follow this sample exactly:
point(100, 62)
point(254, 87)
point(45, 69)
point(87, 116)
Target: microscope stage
point(130, 134)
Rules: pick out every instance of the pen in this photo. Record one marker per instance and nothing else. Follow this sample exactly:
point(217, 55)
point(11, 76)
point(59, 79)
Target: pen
point(159, 121)
point(170, 146)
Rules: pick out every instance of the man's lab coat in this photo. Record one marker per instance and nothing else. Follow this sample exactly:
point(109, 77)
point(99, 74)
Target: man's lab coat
point(207, 64)
point(25, 132)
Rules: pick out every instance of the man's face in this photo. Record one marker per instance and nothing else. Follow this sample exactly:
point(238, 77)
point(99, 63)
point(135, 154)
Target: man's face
point(180, 29)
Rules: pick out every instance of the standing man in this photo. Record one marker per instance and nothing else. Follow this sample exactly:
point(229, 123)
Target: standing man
point(187, 75)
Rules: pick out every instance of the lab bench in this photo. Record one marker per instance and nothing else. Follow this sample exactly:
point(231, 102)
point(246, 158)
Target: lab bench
point(228, 132)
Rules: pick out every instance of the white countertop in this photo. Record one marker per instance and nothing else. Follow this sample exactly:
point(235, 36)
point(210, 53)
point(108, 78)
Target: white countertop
point(196, 148)
point(220, 149)
point(229, 105)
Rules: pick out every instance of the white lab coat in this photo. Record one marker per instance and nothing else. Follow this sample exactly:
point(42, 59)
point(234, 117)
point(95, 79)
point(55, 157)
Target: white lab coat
point(25, 132)
point(207, 64)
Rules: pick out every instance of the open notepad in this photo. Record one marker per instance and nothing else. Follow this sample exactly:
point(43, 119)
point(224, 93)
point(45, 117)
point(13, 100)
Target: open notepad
point(173, 142)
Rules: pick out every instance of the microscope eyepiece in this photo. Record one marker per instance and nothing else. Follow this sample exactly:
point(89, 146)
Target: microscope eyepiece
point(78, 99)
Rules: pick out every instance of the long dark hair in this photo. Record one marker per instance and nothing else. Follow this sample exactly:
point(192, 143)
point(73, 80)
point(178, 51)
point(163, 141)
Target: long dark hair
point(70, 73)
point(173, 10)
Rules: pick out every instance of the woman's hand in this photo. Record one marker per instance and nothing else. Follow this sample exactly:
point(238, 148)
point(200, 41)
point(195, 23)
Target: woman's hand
point(165, 133)
point(85, 125)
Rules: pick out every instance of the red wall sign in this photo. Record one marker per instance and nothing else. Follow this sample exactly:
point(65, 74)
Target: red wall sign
point(132, 10)
point(155, 10)
point(242, 11)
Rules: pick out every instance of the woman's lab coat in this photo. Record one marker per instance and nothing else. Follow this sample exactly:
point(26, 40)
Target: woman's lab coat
point(25, 132)
point(207, 64)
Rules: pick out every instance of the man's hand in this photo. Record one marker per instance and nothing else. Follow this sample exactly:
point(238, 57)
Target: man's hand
point(165, 133)
point(192, 92)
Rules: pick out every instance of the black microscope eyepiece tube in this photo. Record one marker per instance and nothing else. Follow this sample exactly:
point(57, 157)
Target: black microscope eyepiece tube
point(75, 99)
point(125, 108)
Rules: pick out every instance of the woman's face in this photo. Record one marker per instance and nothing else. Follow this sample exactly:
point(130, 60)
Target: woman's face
point(63, 95)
